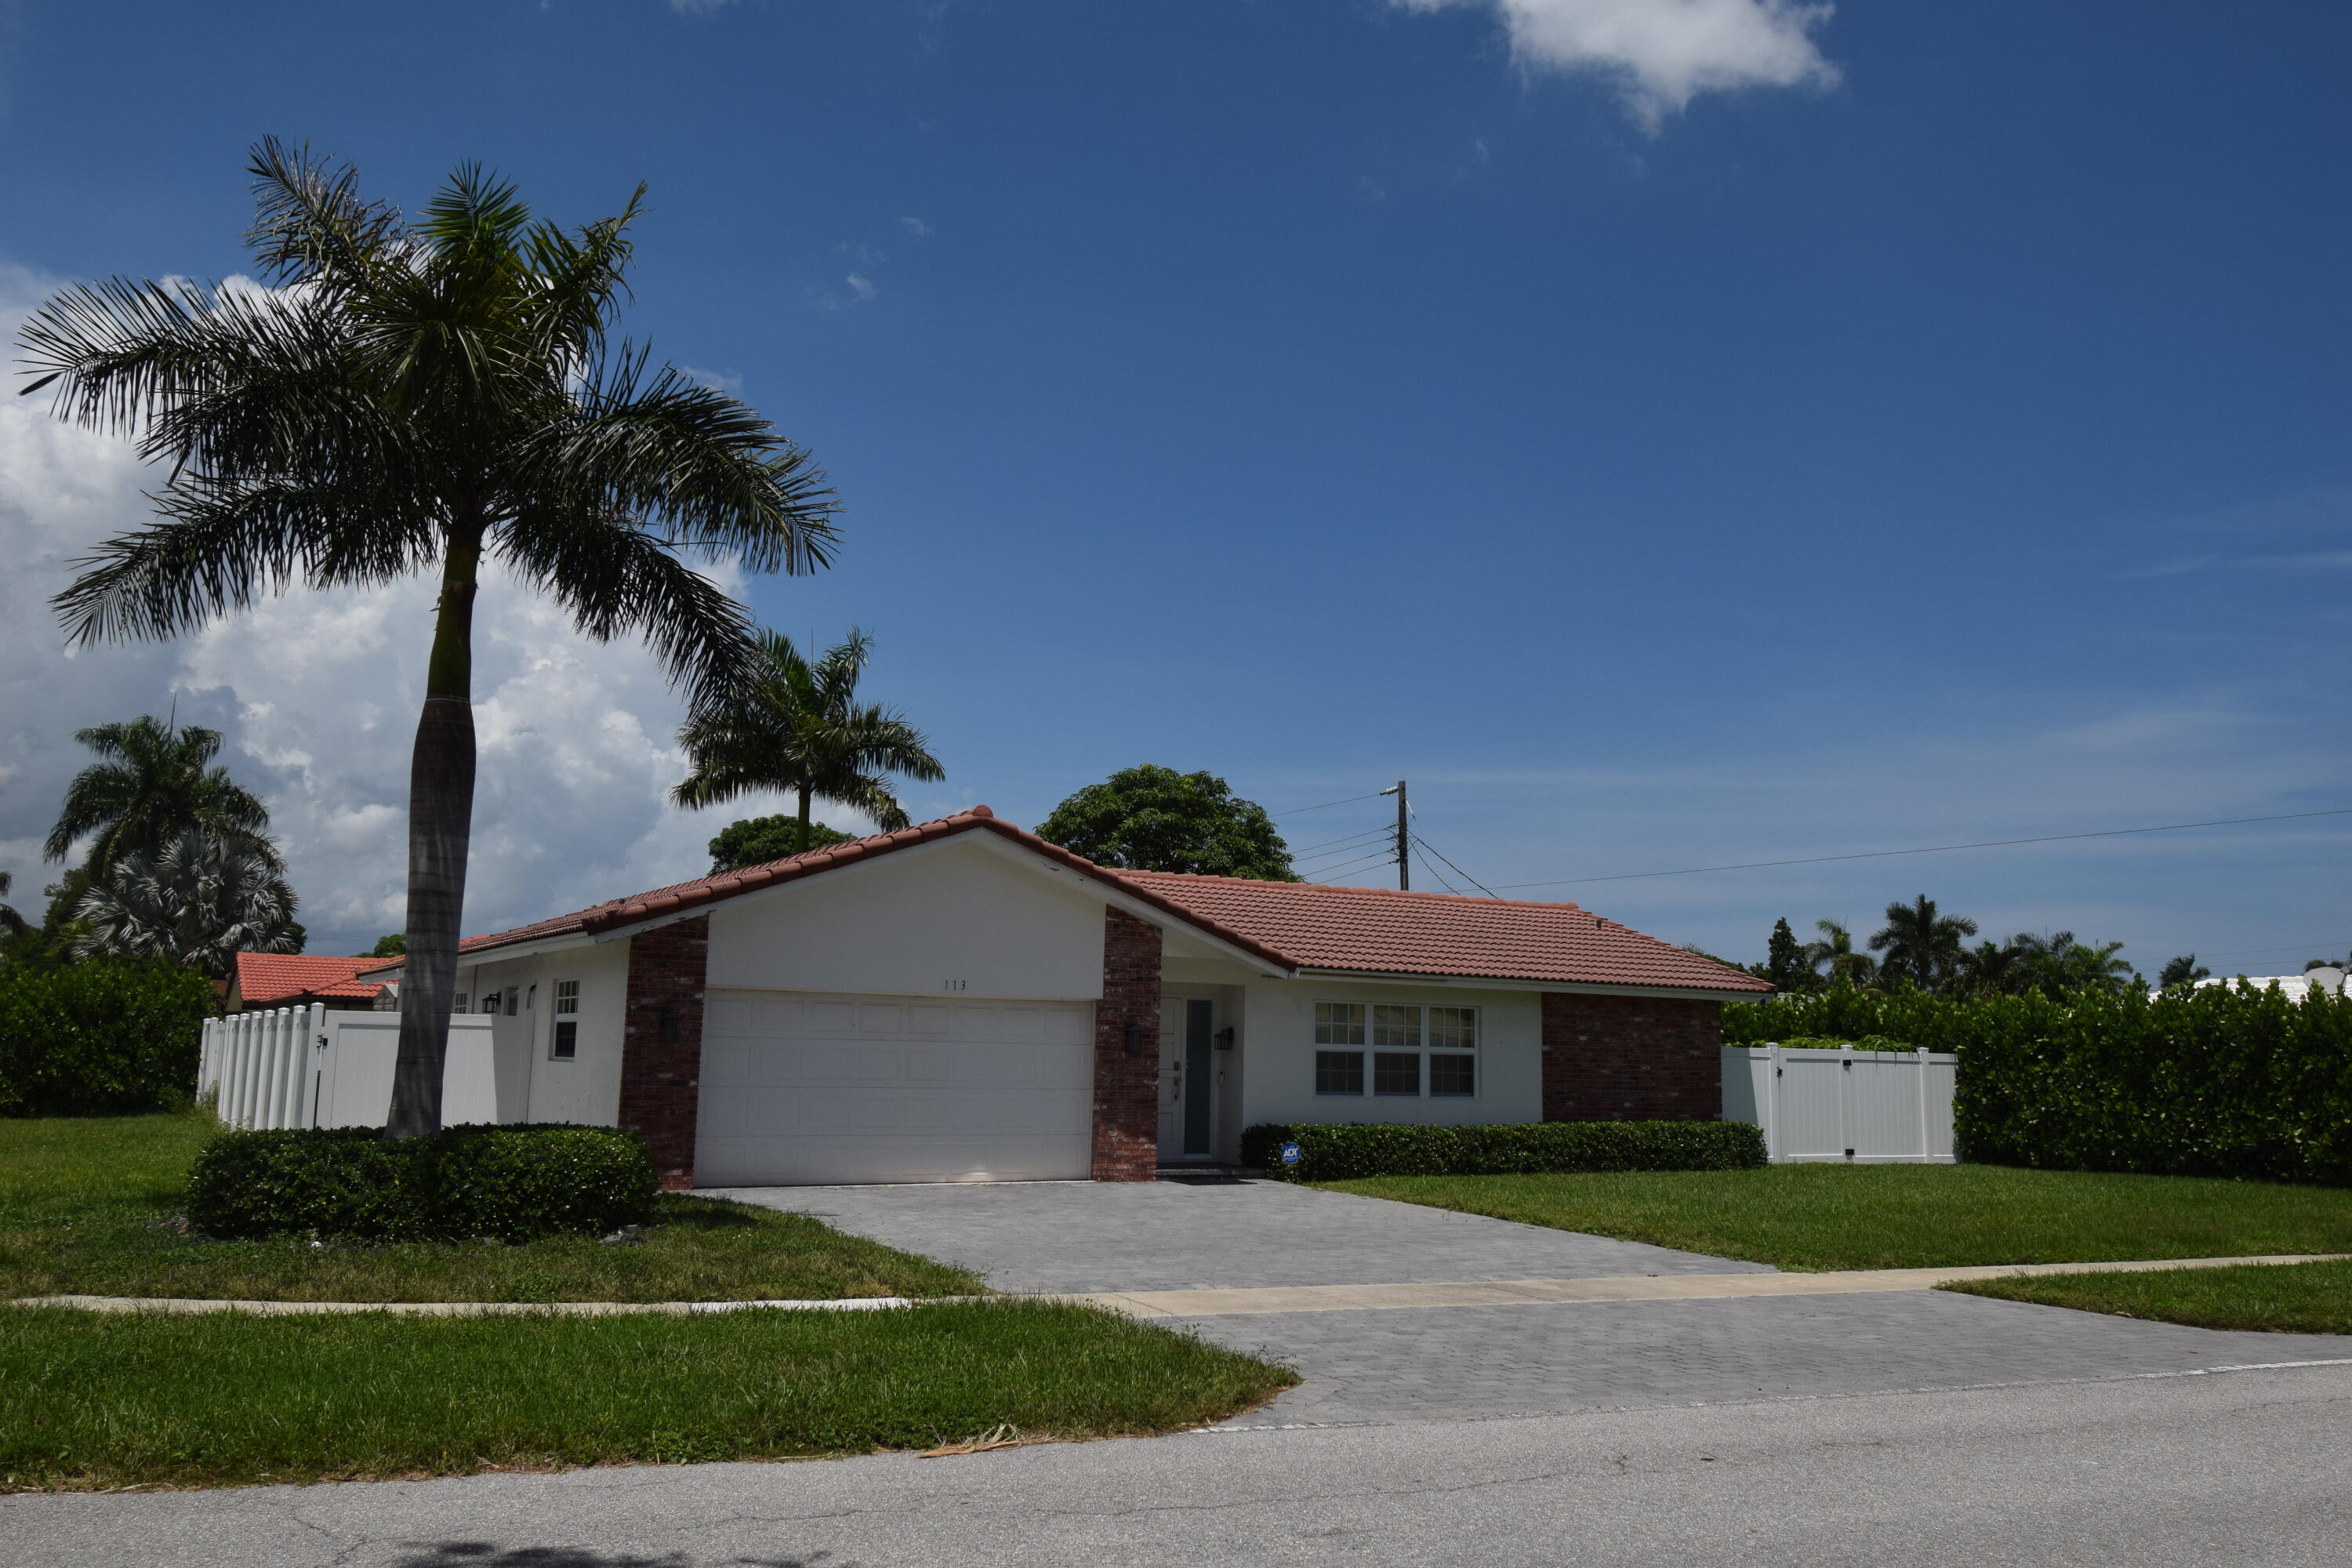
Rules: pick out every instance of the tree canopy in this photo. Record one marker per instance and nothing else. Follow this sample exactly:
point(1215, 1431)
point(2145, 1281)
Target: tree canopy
point(1151, 818)
point(153, 781)
point(756, 840)
point(798, 727)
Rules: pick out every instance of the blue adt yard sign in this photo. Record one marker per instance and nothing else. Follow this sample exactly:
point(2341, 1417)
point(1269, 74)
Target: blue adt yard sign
point(1290, 1154)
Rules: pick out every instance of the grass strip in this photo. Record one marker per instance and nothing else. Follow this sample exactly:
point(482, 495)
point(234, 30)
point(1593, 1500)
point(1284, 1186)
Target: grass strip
point(104, 1401)
point(2279, 1299)
point(1905, 1217)
point(88, 1206)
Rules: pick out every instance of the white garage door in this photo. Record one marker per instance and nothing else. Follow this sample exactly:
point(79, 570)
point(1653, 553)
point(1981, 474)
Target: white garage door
point(803, 1087)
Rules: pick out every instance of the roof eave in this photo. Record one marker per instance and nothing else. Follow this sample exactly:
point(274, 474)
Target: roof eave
point(1513, 983)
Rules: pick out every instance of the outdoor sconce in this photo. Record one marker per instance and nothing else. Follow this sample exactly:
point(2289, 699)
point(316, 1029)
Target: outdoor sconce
point(1224, 1038)
point(1134, 1036)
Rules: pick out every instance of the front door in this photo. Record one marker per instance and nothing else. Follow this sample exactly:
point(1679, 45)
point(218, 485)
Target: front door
point(1187, 1079)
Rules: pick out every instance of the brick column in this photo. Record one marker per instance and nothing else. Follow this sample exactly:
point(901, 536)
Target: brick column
point(661, 1044)
point(1631, 1059)
point(1127, 1078)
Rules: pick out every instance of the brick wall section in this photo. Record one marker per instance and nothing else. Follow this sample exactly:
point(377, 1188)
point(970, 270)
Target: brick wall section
point(659, 1093)
point(1631, 1059)
point(1126, 1084)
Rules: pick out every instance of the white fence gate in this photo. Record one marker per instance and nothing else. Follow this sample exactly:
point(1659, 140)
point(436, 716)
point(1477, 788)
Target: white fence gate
point(312, 1067)
point(1862, 1106)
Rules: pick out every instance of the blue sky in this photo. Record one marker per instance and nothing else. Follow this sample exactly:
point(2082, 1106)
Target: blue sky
point(1937, 433)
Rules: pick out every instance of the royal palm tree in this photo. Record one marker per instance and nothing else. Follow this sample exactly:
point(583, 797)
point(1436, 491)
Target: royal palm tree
point(1922, 946)
point(1834, 956)
point(437, 394)
point(155, 781)
point(798, 728)
point(201, 900)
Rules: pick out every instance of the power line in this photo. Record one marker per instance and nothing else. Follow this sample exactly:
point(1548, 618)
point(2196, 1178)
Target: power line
point(1345, 852)
point(1350, 839)
point(1385, 857)
point(1435, 873)
point(1457, 870)
point(1302, 810)
point(1936, 848)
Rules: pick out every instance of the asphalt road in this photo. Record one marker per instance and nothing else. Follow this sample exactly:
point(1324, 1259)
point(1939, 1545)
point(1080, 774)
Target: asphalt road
point(2249, 1467)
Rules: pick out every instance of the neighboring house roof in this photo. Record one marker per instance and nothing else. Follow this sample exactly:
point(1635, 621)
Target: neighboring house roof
point(1291, 925)
point(266, 979)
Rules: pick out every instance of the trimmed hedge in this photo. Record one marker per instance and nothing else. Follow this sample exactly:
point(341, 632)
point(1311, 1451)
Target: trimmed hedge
point(103, 1038)
point(513, 1183)
point(2221, 1082)
point(1330, 1153)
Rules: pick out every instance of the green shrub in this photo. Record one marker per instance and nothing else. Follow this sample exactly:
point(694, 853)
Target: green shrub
point(1330, 1153)
point(514, 1182)
point(518, 1183)
point(104, 1037)
point(2221, 1081)
point(340, 1184)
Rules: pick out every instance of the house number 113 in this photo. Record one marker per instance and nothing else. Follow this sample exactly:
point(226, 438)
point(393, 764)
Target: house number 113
point(953, 984)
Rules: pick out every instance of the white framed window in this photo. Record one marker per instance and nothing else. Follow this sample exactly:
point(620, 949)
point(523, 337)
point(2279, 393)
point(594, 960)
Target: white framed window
point(563, 1041)
point(465, 1001)
point(1338, 1071)
point(1417, 1052)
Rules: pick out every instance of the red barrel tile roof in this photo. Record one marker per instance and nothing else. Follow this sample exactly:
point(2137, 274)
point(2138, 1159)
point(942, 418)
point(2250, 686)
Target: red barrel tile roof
point(1291, 925)
point(264, 979)
point(1384, 930)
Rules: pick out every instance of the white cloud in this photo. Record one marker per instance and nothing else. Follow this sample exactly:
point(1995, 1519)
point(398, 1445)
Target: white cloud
point(717, 380)
point(700, 7)
point(916, 226)
point(318, 694)
point(1664, 53)
point(862, 286)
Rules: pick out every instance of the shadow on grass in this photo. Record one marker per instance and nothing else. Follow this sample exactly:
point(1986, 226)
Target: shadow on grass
point(482, 1555)
point(673, 1213)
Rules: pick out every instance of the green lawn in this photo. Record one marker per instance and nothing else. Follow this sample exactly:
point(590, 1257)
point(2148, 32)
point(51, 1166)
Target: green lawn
point(88, 1204)
point(2283, 1299)
point(225, 1399)
point(1906, 1217)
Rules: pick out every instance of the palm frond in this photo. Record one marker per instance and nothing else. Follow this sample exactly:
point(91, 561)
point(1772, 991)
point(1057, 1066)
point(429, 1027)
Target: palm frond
point(615, 578)
point(694, 460)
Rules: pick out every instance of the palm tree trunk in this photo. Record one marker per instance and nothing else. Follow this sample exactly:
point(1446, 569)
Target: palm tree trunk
point(800, 843)
point(440, 823)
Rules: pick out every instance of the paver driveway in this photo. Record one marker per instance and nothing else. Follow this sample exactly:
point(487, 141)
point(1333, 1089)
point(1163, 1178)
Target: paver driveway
point(1480, 1363)
point(1177, 1236)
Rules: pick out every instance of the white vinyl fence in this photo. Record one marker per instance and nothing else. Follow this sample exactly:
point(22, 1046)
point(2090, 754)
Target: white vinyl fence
point(1864, 1106)
point(314, 1067)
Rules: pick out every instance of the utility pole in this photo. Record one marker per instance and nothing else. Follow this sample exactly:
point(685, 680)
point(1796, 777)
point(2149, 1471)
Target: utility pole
point(1404, 839)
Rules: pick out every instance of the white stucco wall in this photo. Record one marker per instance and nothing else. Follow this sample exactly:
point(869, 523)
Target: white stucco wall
point(957, 920)
point(531, 1085)
point(1278, 1055)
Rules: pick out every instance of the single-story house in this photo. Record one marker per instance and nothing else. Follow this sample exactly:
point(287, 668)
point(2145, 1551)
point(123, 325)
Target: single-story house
point(266, 979)
point(962, 1001)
